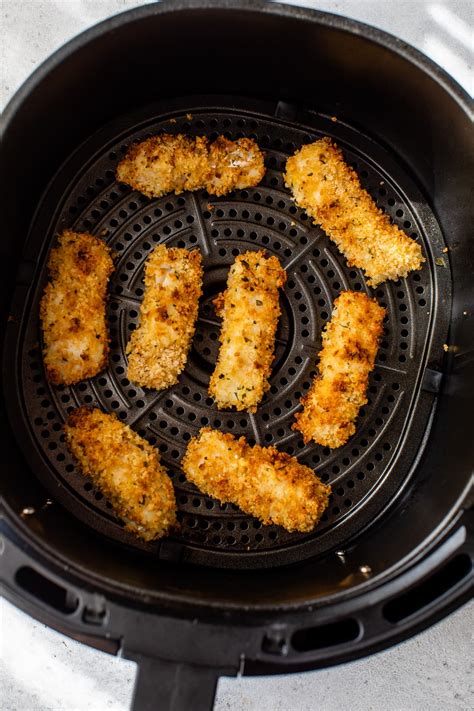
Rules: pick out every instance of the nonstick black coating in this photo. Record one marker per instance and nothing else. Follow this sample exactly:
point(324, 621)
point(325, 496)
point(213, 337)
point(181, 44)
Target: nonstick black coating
point(307, 64)
point(403, 121)
point(375, 463)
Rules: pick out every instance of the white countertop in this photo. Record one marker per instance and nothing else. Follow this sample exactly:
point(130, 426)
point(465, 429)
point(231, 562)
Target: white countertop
point(40, 670)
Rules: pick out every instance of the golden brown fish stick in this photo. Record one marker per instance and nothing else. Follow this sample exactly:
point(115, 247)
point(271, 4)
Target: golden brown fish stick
point(330, 192)
point(72, 309)
point(159, 347)
point(165, 164)
point(249, 308)
point(233, 165)
point(126, 468)
point(174, 163)
point(350, 343)
point(262, 481)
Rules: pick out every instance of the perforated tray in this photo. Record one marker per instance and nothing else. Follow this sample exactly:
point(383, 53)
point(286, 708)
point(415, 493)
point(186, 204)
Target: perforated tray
point(366, 473)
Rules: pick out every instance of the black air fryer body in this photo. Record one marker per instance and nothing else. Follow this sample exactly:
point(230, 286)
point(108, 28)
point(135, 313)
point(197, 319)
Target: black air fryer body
point(393, 553)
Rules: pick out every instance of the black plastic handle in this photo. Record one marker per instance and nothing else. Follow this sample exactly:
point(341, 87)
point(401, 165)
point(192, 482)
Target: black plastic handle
point(171, 686)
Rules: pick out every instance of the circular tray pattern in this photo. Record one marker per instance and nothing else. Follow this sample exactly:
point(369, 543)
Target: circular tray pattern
point(367, 471)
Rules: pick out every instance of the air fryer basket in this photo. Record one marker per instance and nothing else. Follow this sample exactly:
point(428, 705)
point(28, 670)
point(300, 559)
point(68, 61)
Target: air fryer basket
point(392, 552)
point(371, 467)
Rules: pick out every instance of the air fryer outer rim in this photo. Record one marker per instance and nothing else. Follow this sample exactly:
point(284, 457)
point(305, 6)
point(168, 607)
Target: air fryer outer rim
point(328, 19)
point(132, 631)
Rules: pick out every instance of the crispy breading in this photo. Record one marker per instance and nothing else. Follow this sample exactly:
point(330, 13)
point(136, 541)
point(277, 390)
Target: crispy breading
point(350, 343)
point(126, 469)
point(166, 163)
point(330, 192)
point(249, 309)
point(158, 349)
point(233, 164)
point(72, 309)
point(262, 481)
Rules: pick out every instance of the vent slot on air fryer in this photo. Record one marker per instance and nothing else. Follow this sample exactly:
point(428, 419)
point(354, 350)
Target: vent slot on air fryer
point(429, 590)
point(46, 591)
point(311, 638)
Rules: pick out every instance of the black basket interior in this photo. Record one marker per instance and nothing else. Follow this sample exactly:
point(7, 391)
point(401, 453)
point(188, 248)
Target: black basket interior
point(375, 463)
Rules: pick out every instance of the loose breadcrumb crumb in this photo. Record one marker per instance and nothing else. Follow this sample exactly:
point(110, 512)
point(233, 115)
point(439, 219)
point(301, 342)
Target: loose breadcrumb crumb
point(249, 309)
point(330, 192)
point(158, 348)
point(126, 469)
point(350, 343)
point(72, 309)
point(167, 163)
point(262, 481)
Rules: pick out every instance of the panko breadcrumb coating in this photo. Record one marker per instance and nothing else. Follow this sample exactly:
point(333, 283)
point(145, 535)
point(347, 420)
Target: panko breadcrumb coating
point(233, 165)
point(72, 310)
point(350, 343)
point(126, 469)
point(330, 192)
point(167, 163)
point(262, 481)
point(158, 348)
point(249, 309)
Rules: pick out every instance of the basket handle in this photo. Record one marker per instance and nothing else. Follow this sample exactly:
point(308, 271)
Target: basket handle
point(173, 686)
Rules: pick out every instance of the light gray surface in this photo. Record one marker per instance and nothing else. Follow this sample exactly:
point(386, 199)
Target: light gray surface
point(32, 29)
point(40, 670)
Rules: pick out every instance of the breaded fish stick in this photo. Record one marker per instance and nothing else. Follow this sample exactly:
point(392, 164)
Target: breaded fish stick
point(158, 349)
point(262, 481)
point(233, 165)
point(350, 343)
point(126, 469)
point(249, 308)
point(167, 163)
point(330, 192)
point(72, 310)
